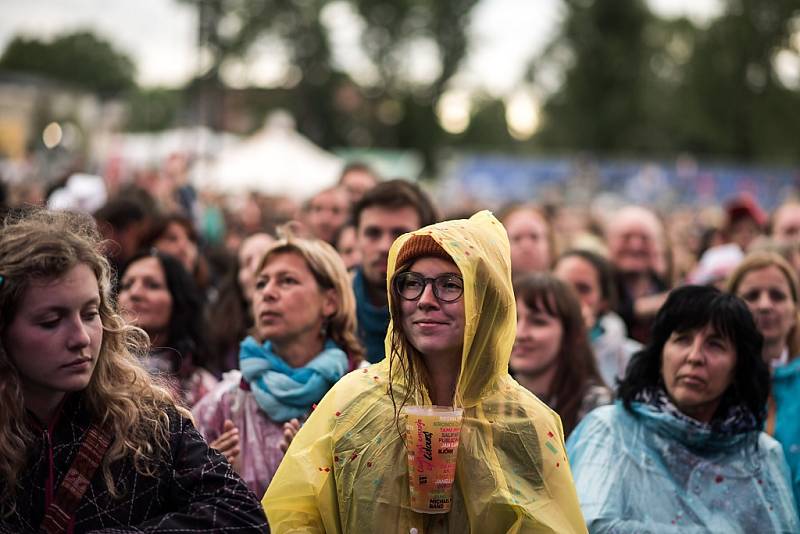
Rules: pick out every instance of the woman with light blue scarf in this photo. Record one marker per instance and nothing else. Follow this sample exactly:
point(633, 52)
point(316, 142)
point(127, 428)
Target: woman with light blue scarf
point(769, 286)
point(304, 341)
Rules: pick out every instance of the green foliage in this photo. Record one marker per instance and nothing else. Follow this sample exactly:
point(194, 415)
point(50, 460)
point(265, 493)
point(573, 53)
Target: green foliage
point(329, 107)
point(392, 25)
point(637, 84)
point(487, 129)
point(600, 106)
point(734, 104)
point(153, 109)
point(80, 58)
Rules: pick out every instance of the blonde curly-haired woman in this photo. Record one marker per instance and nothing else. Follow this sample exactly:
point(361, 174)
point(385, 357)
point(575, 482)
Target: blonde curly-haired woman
point(88, 440)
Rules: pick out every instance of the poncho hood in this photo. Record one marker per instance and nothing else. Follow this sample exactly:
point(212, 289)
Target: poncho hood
point(479, 247)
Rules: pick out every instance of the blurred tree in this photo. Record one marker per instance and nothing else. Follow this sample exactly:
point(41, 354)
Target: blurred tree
point(487, 128)
point(637, 84)
point(392, 30)
point(601, 104)
point(392, 27)
point(330, 107)
point(228, 31)
point(733, 100)
point(153, 109)
point(81, 58)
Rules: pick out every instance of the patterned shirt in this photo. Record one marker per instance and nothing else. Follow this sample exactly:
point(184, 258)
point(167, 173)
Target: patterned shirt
point(194, 489)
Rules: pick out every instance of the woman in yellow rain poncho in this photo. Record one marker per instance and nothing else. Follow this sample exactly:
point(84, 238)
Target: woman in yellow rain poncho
point(346, 469)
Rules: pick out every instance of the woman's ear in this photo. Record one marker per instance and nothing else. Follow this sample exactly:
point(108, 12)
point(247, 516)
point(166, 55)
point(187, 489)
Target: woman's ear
point(330, 303)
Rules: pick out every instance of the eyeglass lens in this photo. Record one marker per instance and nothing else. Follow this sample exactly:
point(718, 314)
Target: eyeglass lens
point(446, 287)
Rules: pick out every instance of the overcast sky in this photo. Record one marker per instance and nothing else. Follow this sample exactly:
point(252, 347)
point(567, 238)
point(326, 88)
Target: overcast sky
point(160, 35)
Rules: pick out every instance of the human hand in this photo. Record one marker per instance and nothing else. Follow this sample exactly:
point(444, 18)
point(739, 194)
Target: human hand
point(589, 317)
point(228, 442)
point(290, 429)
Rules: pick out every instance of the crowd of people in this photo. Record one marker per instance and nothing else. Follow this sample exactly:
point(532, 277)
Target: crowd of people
point(173, 364)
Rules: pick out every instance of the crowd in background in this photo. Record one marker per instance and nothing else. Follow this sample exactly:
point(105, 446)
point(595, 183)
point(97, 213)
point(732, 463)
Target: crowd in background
point(256, 307)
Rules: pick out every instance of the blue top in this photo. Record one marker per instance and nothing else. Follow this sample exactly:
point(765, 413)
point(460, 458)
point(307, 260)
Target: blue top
point(786, 392)
point(373, 321)
point(650, 471)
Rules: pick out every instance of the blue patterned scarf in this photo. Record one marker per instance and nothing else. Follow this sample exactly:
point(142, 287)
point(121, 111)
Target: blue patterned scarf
point(737, 420)
point(283, 391)
point(373, 321)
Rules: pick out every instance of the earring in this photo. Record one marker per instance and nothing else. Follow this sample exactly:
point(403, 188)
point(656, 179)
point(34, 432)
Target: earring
point(324, 329)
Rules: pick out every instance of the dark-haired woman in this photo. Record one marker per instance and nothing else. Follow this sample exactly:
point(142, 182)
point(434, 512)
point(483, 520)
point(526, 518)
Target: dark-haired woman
point(592, 278)
point(552, 357)
point(159, 296)
point(175, 234)
point(682, 450)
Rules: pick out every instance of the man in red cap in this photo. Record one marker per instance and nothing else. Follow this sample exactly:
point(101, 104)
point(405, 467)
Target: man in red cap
point(745, 221)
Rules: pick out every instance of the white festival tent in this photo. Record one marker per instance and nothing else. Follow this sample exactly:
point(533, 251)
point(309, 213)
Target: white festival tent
point(276, 160)
point(141, 150)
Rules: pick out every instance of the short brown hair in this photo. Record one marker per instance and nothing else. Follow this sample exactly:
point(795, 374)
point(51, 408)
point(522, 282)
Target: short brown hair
point(395, 194)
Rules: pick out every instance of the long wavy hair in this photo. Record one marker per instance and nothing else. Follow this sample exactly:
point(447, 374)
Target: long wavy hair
point(329, 272)
point(761, 260)
point(576, 369)
point(121, 396)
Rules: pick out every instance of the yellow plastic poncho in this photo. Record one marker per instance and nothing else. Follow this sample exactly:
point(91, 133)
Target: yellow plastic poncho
point(346, 469)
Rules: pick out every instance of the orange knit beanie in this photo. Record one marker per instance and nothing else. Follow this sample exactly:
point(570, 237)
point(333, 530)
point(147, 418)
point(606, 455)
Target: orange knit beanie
point(418, 246)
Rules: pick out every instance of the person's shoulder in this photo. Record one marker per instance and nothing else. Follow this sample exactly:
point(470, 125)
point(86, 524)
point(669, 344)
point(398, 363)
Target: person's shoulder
point(179, 419)
point(219, 393)
point(769, 445)
point(603, 420)
point(613, 325)
point(771, 453)
point(513, 403)
point(790, 372)
point(360, 376)
point(363, 383)
point(596, 395)
point(606, 415)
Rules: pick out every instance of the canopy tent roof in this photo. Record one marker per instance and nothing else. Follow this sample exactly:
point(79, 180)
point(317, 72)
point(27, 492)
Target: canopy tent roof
point(276, 160)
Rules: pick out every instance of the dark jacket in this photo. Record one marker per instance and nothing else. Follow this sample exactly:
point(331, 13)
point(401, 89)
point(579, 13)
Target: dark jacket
point(195, 488)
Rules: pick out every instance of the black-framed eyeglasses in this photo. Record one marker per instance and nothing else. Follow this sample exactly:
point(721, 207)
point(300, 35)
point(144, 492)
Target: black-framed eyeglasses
point(446, 287)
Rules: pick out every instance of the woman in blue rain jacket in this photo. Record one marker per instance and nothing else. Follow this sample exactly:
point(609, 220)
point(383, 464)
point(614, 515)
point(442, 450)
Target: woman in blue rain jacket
point(682, 450)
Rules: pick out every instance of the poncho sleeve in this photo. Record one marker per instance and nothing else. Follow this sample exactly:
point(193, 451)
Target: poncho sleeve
point(302, 496)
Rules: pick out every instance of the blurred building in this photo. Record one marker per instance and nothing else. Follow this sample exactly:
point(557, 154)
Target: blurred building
point(29, 103)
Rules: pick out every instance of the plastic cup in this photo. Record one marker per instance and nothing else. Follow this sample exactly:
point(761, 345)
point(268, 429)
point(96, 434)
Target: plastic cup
point(432, 434)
